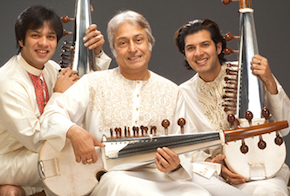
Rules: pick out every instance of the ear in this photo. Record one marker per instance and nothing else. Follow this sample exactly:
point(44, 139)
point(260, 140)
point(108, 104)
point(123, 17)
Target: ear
point(219, 48)
point(20, 42)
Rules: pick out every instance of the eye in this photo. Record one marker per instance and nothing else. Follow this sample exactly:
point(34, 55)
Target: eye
point(51, 37)
point(34, 35)
point(190, 48)
point(122, 43)
point(139, 40)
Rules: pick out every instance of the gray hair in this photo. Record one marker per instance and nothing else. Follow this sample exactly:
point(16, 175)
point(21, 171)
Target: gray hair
point(133, 18)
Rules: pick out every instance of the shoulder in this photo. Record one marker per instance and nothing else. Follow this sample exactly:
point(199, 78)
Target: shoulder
point(52, 65)
point(189, 82)
point(162, 80)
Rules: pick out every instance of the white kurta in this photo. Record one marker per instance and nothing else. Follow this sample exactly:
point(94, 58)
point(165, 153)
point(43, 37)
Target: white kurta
point(201, 104)
point(19, 119)
point(104, 100)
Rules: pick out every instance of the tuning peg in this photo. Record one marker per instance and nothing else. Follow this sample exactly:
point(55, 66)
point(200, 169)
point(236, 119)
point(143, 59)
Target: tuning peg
point(146, 130)
point(66, 19)
point(66, 32)
point(181, 122)
point(262, 144)
point(153, 130)
point(111, 132)
point(226, 2)
point(244, 148)
point(228, 37)
point(165, 123)
point(266, 114)
point(278, 139)
point(229, 51)
point(249, 116)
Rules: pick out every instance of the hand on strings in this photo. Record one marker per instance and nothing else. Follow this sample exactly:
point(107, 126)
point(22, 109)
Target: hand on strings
point(260, 67)
point(166, 160)
point(94, 39)
point(66, 79)
point(229, 176)
point(83, 144)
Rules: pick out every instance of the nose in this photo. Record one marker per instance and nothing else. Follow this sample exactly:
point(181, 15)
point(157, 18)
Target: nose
point(198, 51)
point(42, 41)
point(132, 47)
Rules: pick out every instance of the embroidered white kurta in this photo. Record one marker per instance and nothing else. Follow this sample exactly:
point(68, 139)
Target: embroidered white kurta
point(104, 100)
point(19, 119)
point(200, 103)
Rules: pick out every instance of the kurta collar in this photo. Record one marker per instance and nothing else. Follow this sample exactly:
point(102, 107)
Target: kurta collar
point(29, 68)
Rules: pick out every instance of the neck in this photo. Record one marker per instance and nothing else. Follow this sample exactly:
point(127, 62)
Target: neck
point(209, 77)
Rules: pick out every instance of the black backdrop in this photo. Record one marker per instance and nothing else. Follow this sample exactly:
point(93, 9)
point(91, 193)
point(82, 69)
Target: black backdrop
point(272, 21)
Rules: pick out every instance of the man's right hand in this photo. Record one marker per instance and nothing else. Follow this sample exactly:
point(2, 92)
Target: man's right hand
point(66, 79)
point(227, 174)
point(83, 144)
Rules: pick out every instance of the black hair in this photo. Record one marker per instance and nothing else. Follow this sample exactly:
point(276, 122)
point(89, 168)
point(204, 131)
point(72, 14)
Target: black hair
point(34, 18)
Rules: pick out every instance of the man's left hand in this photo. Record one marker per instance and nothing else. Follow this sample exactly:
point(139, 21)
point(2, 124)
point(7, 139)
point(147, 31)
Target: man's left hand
point(166, 160)
point(94, 39)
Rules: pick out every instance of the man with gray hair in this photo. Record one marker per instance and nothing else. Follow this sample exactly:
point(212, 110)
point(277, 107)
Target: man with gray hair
point(126, 96)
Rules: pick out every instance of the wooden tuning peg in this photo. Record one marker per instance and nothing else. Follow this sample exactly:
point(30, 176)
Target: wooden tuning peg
point(165, 123)
point(226, 2)
point(125, 131)
point(249, 116)
point(266, 114)
point(134, 131)
point(232, 119)
point(146, 130)
point(142, 130)
point(229, 37)
point(262, 144)
point(66, 19)
point(153, 130)
point(66, 32)
point(181, 122)
point(278, 139)
point(244, 148)
point(111, 132)
point(137, 131)
point(128, 131)
point(229, 51)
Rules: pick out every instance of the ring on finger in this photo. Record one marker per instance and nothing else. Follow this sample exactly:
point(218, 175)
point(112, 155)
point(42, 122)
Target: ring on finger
point(259, 63)
point(89, 160)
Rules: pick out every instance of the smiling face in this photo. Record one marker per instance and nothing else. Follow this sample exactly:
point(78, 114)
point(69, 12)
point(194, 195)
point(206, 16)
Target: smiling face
point(201, 54)
point(39, 46)
point(132, 51)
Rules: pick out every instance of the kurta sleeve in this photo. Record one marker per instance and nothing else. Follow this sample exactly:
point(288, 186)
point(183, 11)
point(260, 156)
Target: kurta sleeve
point(17, 114)
point(67, 110)
point(279, 106)
point(102, 61)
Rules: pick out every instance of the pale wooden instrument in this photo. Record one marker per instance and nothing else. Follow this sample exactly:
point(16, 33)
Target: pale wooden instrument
point(64, 176)
point(244, 101)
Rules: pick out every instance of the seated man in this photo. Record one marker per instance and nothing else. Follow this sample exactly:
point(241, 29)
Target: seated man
point(129, 95)
point(38, 31)
point(201, 104)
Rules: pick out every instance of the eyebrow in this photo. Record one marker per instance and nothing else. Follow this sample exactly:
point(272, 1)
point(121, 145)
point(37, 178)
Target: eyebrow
point(137, 35)
point(199, 43)
point(37, 31)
